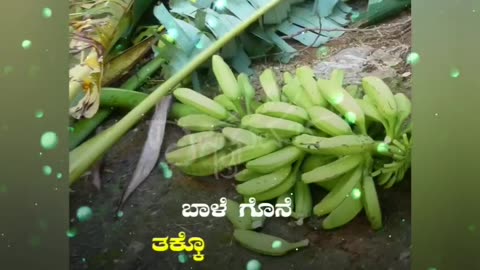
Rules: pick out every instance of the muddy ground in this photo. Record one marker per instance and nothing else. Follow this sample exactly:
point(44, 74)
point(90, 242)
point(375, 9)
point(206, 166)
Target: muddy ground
point(154, 210)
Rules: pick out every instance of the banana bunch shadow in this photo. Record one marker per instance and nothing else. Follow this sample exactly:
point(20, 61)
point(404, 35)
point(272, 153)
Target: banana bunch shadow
point(310, 133)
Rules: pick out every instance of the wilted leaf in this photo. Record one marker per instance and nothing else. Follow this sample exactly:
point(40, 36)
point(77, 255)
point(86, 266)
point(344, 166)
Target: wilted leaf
point(151, 149)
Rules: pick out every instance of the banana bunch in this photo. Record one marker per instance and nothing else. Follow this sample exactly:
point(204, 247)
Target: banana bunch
point(305, 134)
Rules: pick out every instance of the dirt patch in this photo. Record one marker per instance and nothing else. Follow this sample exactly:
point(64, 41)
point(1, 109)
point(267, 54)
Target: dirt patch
point(154, 210)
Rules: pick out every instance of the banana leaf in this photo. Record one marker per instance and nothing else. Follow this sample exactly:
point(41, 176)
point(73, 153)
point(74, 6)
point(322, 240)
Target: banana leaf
point(94, 29)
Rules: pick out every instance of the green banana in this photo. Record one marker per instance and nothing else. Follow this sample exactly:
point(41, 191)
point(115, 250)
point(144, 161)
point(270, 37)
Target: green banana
point(225, 102)
point(382, 97)
point(344, 103)
point(269, 85)
point(275, 160)
point(278, 190)
point(247, 90)
point(233, 215)
point(205, 166)
point(249, 152)
point(283, 187)
point(266, 244)
point(257, 222)
point(201, 122)
point(339, 145)
point(332, 170)
point(371, 203)
point(192, 152)
point(306, 78)
point(384, 178)
point(289, 194)
point(303, 201)
point(264, 182)
point(283, 110)
point(347, 210)
point(313, 161)
point(392, 180)
point(246, 174)
point(179, 110)
point(225, 78)
point(277, 126)
point(341, 190)
point(287, 76)
point(328, 121)
point(201, 103)
point(255, 104)
point(296, 94)
point(283, 97)
point(194, 138)
point(241, 136)
point(404, 108)
point(337, 77)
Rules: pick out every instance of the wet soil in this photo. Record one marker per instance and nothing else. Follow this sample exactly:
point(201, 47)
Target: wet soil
point(155, 210)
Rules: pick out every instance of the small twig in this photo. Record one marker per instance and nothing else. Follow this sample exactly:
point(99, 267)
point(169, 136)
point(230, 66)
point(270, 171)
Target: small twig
point(347, 29)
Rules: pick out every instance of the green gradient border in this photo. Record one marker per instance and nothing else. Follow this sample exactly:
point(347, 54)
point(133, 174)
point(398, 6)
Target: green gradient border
point(446, 214)
point(33, 206)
